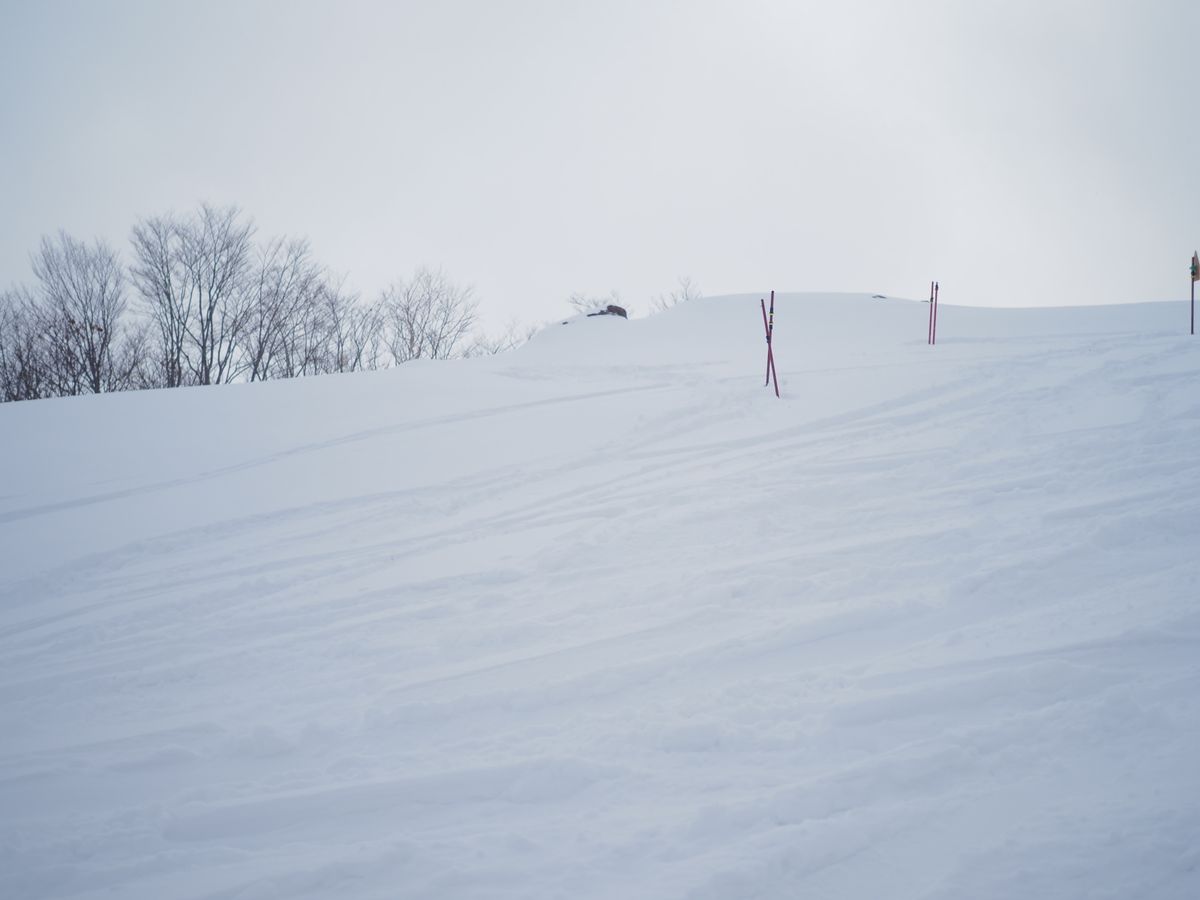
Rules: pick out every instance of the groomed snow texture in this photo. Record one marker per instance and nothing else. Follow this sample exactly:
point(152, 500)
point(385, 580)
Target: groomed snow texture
point(603, 618)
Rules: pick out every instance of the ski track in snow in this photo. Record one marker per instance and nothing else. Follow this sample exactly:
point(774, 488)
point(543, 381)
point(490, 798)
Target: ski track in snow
point(603, 618)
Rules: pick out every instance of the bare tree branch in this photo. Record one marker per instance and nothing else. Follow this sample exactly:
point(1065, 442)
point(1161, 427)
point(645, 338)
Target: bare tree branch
point(427, 317)
point(24, 364)
point(686, 291)
point(514, 335)
point(167, 293)
point(194, 275)
point(80, 307)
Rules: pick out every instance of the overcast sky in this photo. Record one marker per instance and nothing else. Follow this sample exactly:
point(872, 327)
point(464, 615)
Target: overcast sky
point(1021, 152)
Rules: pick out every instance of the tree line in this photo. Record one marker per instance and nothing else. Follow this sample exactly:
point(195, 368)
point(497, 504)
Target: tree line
point(204, 302)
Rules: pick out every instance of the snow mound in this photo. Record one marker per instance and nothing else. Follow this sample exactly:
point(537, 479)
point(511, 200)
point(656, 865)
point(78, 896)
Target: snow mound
point(602, 617)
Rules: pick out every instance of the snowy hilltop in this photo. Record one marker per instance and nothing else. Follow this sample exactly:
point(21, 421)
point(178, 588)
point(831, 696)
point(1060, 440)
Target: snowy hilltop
point(603, 618)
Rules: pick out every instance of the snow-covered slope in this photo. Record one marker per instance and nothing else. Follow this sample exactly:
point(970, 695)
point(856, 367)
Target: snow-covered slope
point(604, 618)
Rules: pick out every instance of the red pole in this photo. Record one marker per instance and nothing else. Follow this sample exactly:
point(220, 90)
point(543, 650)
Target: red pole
point(770, 351)
point(769, 326)
point(935, 304)
point(767, 332)
point(929, 329)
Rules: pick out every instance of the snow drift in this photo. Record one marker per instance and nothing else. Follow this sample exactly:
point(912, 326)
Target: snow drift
point(602, 617)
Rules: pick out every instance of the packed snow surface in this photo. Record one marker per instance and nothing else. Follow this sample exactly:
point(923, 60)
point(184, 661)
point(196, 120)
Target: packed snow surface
point(603, 618)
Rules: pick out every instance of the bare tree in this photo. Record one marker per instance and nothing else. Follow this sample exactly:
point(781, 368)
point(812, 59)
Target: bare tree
point(306, 349)
point(356, 330)
point(167, 292)
point(194, 276)
point(514, 335)
point(215, 308)
point(427, 317)
point(24, 369)
point(224, 310)
point(686, 291)
point(215, 252)
point(137, 357)
point(81, 304)
point(330, 331)
point(285, 323)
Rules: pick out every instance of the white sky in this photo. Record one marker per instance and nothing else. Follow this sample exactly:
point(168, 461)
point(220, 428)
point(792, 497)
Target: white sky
point(1023, 153)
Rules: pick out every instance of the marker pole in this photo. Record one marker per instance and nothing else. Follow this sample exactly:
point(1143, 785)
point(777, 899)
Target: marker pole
point(929, 328)
point(769, 328)
point(767, 331)
point(770, 350)
point(933, 337)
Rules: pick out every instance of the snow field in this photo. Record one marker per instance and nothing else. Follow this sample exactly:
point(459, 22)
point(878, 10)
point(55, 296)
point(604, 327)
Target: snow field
point(603, 618)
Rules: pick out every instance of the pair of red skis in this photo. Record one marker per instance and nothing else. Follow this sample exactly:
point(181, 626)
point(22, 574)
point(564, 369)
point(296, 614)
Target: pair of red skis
point(769, 326)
